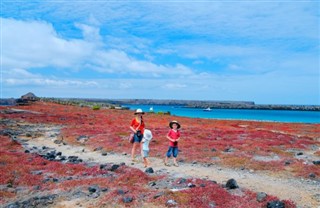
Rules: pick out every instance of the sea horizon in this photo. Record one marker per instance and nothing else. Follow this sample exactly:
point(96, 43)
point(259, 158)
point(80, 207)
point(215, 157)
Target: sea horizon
point(265, 115)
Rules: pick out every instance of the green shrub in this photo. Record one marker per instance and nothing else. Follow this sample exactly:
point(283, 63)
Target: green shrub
point(96, 107)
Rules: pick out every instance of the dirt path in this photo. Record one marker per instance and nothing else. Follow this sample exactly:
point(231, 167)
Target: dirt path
point(302, 192)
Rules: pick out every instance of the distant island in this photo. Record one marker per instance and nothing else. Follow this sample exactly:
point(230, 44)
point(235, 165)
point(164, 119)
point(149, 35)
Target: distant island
point(204, 104)
point(209, 104)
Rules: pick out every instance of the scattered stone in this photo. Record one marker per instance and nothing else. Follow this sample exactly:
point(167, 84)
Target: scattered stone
point(288, 162)
point(103, 166)
point(152, 183)
point(95, 195)
point(212, 205)
point(127, 199)
point(171, 203)
point(300, 153)
point(316, 162)
point(312, 175)
point(114, 167)
point(104, 153)
point(149, 170)
point(213, 150)
point(37, 201)
point(191, 185)
point(261, 196)
point(93, 189)
point(121, 192)
point(275, 204)
point(158, 195)
point(182, 180)
point(229, 149)
point(57, 141)
point(82, 139)
point(36, 172)
point(232, 184)
point(104, 189)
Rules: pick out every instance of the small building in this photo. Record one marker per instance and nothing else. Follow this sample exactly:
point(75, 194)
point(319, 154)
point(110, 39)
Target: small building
point(29, 96)
point(27, 99)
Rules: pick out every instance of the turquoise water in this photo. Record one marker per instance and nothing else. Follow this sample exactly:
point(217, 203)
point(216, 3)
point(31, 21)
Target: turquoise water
point(236, 114)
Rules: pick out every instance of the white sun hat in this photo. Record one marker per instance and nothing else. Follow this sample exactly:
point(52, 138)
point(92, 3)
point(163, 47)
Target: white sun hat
point(147, 135)
point(139, 111)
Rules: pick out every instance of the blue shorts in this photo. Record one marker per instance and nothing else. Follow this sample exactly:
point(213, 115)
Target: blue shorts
point(136, 138)
point(145, 153)
point(172, 151)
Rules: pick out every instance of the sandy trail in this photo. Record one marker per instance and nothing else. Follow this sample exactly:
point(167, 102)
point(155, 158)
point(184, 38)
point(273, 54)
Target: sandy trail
point(302, 192)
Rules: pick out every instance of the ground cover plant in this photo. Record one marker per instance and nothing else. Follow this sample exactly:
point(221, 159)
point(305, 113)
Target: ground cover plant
point(273, 148)
point(24, 174)
point(276, 145)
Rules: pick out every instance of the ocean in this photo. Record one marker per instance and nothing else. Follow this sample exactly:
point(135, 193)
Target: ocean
point(235, 114)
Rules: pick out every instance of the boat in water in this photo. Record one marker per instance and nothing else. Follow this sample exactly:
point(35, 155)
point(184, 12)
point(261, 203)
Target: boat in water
point(207, 109)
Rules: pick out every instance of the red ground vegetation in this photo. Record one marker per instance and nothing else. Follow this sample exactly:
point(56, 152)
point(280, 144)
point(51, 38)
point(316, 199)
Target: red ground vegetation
point(202, 139)
point(18, 170)
point(234, 143)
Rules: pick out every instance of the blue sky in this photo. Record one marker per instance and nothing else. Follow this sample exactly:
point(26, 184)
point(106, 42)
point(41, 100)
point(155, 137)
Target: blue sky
point(261, 51)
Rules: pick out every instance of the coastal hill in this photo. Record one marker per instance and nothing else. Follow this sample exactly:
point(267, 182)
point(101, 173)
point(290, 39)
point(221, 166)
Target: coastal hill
point(30, 97)
point(209, 104)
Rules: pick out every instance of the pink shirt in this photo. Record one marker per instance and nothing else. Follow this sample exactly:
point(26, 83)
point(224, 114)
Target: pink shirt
point(173, 135)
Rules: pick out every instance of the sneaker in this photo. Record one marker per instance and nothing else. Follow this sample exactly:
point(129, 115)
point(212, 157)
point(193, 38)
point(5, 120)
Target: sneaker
point(176, 165)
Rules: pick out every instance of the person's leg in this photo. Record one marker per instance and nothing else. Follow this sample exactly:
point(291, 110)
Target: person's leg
point(168, 155)
point(148, 162)
point(145, 162)
point(175, 155)
point(136, 144)
point(147, 158)
point(133, 151)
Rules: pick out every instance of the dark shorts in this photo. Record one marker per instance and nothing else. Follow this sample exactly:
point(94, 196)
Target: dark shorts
point(136, 138)
point(172, 151)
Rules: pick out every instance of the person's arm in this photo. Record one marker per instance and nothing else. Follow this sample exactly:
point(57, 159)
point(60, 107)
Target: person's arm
point(132, 128)
point(168, 137)
point(178, 136)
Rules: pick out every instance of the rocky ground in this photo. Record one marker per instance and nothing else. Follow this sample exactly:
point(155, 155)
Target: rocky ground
point(44, 140)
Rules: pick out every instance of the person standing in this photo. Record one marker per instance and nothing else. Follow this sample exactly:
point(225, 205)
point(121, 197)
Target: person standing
point(173, 136)
point(147, 136)
point(137, 127)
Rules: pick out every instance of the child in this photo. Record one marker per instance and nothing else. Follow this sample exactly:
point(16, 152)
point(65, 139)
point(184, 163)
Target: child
point(147, 136)
point(137, 127)
point(173, 136)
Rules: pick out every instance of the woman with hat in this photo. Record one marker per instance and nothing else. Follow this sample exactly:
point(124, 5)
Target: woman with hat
point(137, 127)
point(173, 136)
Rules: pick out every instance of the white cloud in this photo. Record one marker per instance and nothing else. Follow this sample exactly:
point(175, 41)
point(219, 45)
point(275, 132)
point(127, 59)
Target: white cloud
point(29, 44)
point(174, 86)
point(36, 44)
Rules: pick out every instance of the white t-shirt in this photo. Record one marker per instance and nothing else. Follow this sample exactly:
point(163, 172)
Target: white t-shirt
point(145, 144)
